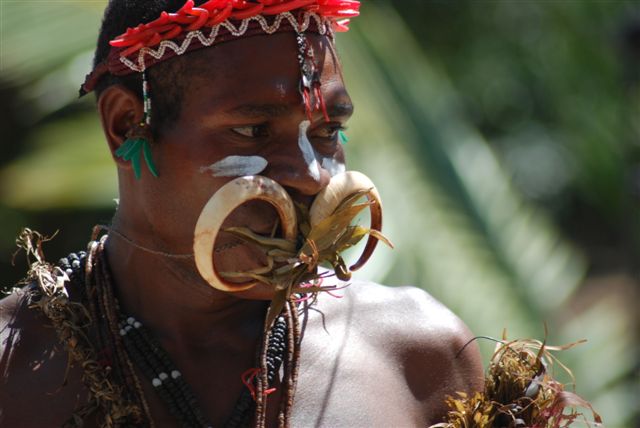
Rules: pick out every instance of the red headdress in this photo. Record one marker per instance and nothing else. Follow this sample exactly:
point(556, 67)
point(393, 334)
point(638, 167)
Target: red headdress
point(213, 22)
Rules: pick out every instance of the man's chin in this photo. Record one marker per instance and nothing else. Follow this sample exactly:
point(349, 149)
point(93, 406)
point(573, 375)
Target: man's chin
point(237, 256)
point(234, 255)
point(259, 291)
point(258, 216)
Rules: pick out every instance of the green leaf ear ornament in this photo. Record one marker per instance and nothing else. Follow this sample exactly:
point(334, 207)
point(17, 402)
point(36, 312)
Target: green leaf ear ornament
point(139, 138)
point(135, 147)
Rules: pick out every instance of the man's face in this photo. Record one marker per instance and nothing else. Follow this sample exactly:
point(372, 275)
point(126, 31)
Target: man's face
point(244, 114)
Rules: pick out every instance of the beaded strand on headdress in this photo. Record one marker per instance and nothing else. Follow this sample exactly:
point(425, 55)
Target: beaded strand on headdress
point(146, 100)
point(310, 79)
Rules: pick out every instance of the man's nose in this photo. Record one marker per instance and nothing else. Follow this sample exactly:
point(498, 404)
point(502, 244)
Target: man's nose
point(297, 166)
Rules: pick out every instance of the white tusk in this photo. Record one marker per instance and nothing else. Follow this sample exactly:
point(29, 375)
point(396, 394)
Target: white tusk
point(341, 187)
point(222, 203)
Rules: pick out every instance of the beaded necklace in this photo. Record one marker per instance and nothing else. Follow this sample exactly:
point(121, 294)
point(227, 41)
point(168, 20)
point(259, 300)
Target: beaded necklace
point(123, 342)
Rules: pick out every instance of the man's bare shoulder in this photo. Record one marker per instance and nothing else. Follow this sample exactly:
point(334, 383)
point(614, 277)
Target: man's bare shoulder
point(16, 319)
point(19, 323)
point(414, 333)
point(32, 367)
point(399, 308)
point(399, 315)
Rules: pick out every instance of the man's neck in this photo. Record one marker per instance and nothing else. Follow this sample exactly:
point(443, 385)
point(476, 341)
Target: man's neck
point(170, 298)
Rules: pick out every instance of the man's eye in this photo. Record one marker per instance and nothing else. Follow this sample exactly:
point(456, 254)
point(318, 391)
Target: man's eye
point(251, 131)
point(330, 133)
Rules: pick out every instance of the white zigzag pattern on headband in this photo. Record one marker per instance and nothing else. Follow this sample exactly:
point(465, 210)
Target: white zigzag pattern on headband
point(324, 26)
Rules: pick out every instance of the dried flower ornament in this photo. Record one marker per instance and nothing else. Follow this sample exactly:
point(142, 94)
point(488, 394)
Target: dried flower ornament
point(520, 391)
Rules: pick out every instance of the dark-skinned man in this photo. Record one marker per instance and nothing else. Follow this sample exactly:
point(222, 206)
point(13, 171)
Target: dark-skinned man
point(163, 345)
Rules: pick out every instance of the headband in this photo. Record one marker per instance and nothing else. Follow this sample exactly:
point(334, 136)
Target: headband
point(213, 22)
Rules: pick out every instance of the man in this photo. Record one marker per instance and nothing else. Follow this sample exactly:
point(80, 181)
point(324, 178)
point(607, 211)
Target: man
point(377, 357)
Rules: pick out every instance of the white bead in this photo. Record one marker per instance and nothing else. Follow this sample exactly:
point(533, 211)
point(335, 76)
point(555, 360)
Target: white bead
point(128, 327)
point(130, 320)
point(163, 376)
point(123, 332)
point(137, 324)
point(175, 374)
point(156, 382)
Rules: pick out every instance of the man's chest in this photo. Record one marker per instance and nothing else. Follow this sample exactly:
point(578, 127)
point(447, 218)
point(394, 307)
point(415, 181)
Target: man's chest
point(345, 380)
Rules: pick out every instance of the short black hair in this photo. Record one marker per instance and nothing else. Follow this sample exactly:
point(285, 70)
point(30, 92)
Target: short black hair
point(166, 85)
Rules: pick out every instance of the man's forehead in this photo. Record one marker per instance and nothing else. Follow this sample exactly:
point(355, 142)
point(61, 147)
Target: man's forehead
point(260, 76)
point(266, 104)
point(254, 56)
point(340, 108)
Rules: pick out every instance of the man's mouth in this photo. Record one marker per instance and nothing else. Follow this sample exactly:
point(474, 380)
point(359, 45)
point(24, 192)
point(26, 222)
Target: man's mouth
point(258, 216)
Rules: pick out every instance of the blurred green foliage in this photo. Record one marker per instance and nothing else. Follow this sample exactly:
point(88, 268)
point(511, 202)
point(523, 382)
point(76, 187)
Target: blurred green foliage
point(503, 136)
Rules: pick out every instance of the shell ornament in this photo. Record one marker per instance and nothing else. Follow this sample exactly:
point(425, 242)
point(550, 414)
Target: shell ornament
point(308, 238)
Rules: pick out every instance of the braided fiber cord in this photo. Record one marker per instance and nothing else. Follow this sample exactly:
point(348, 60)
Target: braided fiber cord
point(290, 371)
point(108, 310)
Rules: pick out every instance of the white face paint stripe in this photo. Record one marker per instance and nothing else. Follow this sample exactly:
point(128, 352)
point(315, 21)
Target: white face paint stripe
point(236, 166)
point(333, 166)
point(307, 150)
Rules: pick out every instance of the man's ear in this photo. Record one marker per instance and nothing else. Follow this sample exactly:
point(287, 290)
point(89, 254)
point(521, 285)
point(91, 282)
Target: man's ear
point(120, 111)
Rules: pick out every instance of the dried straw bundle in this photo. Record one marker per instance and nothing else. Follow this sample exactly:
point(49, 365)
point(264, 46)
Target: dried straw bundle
point(519, 391)
point(72, 322)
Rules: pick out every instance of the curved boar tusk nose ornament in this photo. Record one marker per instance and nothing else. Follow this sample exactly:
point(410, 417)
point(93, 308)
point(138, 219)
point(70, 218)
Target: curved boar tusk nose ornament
point(341, 187)
point(222, 203)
